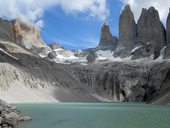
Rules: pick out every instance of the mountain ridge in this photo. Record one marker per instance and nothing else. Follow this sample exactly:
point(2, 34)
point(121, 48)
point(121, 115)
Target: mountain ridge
point(124, 72)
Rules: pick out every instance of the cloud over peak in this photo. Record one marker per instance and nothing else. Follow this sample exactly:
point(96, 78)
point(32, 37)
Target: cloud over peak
point(33, 10)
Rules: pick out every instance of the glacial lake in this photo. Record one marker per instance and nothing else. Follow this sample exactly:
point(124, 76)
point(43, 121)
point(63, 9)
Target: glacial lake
point(95, 115)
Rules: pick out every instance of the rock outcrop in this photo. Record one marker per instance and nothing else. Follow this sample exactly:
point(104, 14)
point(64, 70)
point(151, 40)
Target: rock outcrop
point(91, 57)
point(28, 37)
point(107, 41)
point(143, 51)
point(150, 28)
point(10, 116)
point(54, 46)
point(127, 27)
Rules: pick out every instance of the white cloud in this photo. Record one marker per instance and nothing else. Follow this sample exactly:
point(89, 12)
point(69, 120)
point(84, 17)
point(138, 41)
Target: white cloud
point(39, 24)
point(161, 5)
point(33, 10)
point(96, 8)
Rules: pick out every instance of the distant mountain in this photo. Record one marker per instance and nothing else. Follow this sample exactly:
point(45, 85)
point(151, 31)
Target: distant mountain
point(133, 67)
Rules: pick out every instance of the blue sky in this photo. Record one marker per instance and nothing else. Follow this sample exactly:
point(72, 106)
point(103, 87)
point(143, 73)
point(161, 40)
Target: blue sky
point(77, 31)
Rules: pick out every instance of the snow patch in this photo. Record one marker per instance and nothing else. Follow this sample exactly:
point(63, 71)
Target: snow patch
point(136, 48)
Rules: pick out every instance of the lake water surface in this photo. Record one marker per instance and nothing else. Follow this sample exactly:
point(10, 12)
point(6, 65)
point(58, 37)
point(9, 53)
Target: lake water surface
point(95, 115)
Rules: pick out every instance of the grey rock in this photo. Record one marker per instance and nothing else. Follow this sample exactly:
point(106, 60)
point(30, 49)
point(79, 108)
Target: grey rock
point(166, 52)
point(10, 116)
point(150, 28)
point(24, 118)
point(52, 55)
point(143, 51)
point(158, 90)
point(54, 46)
point(106, 39)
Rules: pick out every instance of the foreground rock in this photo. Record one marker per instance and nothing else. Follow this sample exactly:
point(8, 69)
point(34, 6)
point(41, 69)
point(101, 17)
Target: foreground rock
point(10, 116)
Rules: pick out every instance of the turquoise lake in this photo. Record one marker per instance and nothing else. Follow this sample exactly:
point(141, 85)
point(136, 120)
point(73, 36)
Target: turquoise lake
point(95, 115)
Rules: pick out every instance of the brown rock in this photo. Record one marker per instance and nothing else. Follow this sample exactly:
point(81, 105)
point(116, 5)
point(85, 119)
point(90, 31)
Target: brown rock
point(107, 40)
point(127, 25)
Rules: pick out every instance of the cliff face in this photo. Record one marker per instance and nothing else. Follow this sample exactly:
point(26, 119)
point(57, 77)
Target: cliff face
point(116, 81)
point(150, 28)
point(127, 27)
point(126, 81)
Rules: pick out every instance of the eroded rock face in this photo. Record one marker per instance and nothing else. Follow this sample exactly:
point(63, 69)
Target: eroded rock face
point(127, 26)
point(158, 90)
point(150, 28)
point(133, 82)
point(107, 40)
point(116, 81)
point(168, 28)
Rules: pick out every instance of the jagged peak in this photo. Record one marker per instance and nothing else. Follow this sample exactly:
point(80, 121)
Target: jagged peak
point(127, 8)
point(152, 8)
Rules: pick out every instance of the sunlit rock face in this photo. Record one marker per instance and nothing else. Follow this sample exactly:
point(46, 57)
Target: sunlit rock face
point(106, 39)
point(28, 36)
point(150, 28)
point(127, 27)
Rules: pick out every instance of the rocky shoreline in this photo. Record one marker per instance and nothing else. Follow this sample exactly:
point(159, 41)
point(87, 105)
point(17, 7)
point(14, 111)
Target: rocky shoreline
point(10, 116)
